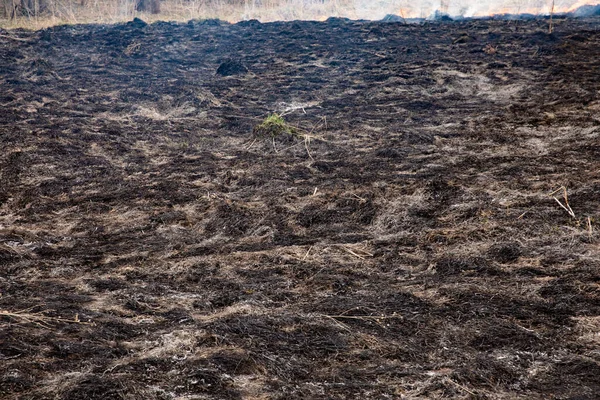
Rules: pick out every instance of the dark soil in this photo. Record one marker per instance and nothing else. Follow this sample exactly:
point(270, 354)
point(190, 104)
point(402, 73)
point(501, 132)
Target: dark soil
point(402, 244)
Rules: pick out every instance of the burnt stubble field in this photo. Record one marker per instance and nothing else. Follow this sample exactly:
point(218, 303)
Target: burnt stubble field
point(400, 240)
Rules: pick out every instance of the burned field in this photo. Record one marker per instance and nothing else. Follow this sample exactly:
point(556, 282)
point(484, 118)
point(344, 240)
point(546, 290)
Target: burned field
point(300, 210)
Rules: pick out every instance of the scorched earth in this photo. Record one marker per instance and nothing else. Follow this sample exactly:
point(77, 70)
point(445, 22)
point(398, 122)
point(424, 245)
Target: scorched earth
point(420, 224)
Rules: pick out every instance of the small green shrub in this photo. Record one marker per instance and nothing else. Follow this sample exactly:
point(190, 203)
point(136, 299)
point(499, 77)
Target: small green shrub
point(274, 126)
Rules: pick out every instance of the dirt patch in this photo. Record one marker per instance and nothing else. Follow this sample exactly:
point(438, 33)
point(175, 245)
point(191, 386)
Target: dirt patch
point(402, 243)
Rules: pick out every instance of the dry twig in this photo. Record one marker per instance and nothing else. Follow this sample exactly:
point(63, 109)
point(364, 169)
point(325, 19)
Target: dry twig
point(565, 206)
point(306, 143)
point(14, 38)
point(38, 318)
point(307, 252)
point(359, 253)
point(378, 319)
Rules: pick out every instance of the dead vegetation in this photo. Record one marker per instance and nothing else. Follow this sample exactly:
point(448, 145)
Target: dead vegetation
point(408, 241)
point(38, 318)
point(37, 14)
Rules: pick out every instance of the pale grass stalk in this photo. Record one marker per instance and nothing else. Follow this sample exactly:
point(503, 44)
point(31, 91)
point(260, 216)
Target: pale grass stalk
point(38, 318)
point(566, 205)
point(551, 26)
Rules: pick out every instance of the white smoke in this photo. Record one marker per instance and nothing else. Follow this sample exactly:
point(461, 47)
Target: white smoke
point(377, 9)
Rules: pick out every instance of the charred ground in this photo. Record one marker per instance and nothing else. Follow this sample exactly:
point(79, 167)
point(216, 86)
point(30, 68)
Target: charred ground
point(401, 243)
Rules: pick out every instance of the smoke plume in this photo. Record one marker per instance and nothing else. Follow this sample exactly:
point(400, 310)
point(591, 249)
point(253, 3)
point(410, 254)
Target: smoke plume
point(465, 8)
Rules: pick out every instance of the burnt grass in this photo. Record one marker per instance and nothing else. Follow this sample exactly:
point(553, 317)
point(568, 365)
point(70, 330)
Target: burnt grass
point(402, 244)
